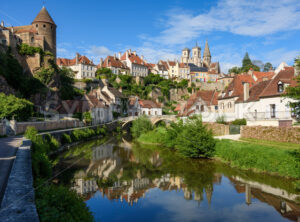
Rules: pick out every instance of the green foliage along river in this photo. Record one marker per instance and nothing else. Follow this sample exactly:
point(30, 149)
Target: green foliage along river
point(124, 181)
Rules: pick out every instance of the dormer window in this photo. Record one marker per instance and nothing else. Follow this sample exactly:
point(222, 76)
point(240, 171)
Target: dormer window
point(223, 94)
point(230, 92)
point(280, 87)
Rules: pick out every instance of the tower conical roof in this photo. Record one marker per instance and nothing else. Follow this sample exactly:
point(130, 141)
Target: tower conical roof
point(43, 16)
point(206, 50)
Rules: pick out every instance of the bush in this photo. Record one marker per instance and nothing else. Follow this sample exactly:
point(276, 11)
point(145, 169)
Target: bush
point(239, 122)
point(221, 120)
point(25, 49)
point(82, 134)
point(87, 117)
point(13, 107)
point(141, 125)
point(195, 140)
point(66, 139)
point(58, 203)
point(31, 133)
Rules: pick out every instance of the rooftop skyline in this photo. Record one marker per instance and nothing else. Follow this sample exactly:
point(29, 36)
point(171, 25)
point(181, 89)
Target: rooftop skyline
point(268, 30)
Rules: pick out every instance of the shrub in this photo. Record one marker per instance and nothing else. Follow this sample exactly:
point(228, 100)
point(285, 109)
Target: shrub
point(140, 126)
point(58, 203)
point(13, 107)
point(239, 122)
point(87, 117)
point(195, 140)
point(31, 133)
point(25, 49)
point(65, 139)
point(82, 134)
point(221, 120)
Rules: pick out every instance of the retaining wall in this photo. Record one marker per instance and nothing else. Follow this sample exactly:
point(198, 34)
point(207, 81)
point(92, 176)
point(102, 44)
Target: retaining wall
point(218, 129)
point(20, 127)
point(278, 134)
point(2, 130)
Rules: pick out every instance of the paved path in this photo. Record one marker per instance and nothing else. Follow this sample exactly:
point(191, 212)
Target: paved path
point(230, 137)
point(8, 149)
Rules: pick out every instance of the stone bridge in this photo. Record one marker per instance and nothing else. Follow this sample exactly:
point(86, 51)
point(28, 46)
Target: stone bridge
point(154, 119)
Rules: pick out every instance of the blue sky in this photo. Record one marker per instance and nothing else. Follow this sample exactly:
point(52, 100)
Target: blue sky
point(268, 29)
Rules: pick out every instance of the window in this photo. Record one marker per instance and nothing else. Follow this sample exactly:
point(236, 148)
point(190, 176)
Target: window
point(229, 105)
point(197, 107)
point(44, 26)
point(202, 108)
point(222, 106)
point(273, 110)
point(216, 107)
point(32, 39)
point(280, 87)
point(36, 25)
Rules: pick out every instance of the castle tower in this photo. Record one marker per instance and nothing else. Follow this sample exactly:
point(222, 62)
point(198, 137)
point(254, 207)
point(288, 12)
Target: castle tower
point(185, 56)
point(47, 28)
point(206, 55)
point(196, 55)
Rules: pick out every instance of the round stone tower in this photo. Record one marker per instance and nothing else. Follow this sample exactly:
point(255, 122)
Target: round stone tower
point(46, 27)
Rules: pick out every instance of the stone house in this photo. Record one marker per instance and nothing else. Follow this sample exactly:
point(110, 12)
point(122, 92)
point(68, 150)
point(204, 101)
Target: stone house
point(203, 101)
point(100, 112)
point(114, 64)
point(173, 69)
point(134, 108)
point(136, 64)
point(150, 108)
point(162, 68)
point(184, 71)
point(81, 65)
point(112, 97)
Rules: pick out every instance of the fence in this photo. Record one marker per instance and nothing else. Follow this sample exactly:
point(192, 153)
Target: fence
point(268, 115)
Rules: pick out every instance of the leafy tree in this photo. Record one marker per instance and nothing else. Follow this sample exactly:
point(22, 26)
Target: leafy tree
point(67, 90)
point(246, 65)
point(13, 107)
point(45, 75)
point(87, 117)
point(25, 49)
point(235, 70)
point(294, 92)
point(140, 126)
point(268, 66)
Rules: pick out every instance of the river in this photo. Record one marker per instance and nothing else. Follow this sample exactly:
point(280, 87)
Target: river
point(123, 181)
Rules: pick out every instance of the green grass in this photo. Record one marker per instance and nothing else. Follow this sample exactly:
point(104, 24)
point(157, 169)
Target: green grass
point(274, 159)
point(153, 137)
point(272, 143)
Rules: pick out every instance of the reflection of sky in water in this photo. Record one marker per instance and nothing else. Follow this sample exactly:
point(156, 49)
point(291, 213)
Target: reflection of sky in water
point(157, 205)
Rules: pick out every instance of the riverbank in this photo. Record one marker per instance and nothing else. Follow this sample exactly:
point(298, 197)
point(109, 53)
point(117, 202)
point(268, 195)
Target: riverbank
point(57, 202)
point(282, 159)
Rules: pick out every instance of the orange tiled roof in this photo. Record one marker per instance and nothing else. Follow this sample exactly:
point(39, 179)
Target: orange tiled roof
point(134, 58)
point(285, 76)
point(148, 104)
point(262, 76)
point(111, 61)
point(71, 62)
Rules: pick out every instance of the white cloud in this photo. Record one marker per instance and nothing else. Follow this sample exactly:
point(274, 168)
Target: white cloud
point(97, 52)
point(243, 17)
point(281, 55)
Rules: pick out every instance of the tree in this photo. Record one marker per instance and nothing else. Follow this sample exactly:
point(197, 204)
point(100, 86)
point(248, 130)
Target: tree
point(195, 140)
point(13, 107)
point(294, 92)
point(140, 126)
point(87, 117)
point(267, 67)
point(45, 75)
point(235, 70)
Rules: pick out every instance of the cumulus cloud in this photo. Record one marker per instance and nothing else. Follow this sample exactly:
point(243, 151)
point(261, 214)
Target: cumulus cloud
point(97, 52)
point(250, 18)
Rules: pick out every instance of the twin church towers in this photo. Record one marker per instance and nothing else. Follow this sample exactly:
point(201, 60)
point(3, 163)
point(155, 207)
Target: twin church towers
point(196, 56)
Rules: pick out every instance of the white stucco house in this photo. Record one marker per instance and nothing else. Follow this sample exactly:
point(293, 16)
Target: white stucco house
point(136, 64)
point(81, 65)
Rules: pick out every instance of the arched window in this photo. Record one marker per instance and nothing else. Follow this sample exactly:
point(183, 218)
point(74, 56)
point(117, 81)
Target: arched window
point(280, 86)
point(36, 25)
point(222, 106)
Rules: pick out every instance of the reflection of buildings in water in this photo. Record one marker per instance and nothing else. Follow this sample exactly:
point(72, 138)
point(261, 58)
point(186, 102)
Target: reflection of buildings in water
point(280, 199)
point(82, 186)
point(103, 151)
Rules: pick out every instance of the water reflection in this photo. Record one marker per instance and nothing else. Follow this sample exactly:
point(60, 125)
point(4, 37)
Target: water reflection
point(129, 173)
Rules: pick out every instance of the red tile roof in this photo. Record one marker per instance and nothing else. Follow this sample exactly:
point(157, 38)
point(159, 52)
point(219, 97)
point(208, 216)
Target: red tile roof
point(256, 90)
point(236, 88)
point(148, 104)
point(134, 58)
point(71, 62)
point(171, 63)
point(286, 76)
point(262, 76)
point(111, 61)
point(183, 65)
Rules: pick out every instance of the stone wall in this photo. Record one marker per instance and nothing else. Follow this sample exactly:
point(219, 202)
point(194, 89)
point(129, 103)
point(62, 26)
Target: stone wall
point(176, 94)
point(278, 134)
point(21, 127)
point(218, 129)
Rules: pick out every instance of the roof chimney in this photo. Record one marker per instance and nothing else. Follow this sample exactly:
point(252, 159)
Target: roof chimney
point(142, 57)
point(120, 55)
point(246, 91)
point(101, 62)
point(2, 23)
point(134, 52)
point(115, 56)
point(77, 57)
point(129, 51)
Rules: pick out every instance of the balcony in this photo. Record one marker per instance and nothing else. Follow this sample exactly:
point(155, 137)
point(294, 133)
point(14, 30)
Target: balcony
point(271, 115)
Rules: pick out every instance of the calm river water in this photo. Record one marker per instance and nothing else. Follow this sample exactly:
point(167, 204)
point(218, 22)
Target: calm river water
point(121, 181)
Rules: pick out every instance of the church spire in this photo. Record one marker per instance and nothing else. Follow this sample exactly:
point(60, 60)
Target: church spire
point(206, 50)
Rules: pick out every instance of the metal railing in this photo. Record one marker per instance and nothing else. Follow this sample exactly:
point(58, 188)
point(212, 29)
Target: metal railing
point(268, 115)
